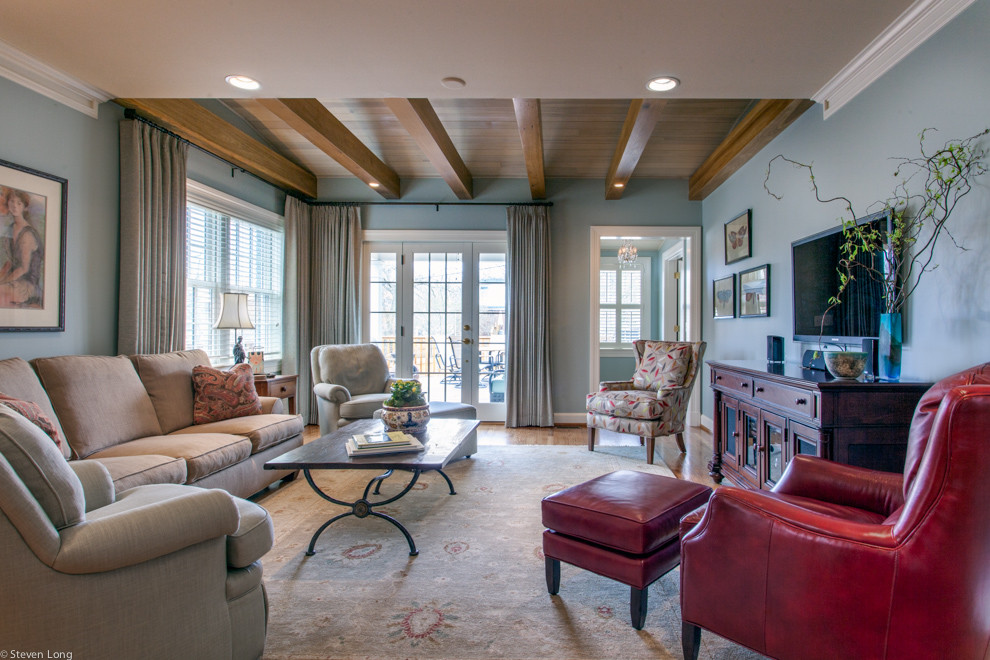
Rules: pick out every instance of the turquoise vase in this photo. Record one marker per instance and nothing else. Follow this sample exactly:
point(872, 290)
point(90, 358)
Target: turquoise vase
point(890, 346)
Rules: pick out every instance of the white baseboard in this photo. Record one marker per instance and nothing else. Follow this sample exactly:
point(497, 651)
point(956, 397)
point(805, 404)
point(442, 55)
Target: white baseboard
point(706, 423)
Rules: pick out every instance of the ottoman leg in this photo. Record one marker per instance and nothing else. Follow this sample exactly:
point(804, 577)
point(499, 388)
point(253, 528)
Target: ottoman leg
point(638, 599)
point(690, 640)
point(553, 575)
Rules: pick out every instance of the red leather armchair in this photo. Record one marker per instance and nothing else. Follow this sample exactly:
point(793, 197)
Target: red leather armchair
point(844, 562)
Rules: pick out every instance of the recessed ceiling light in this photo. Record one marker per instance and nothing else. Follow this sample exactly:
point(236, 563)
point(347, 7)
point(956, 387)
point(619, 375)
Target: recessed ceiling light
point(243, 82)
point(618, 185)
point(374, 184)
point(453, 83)
point(663, 84)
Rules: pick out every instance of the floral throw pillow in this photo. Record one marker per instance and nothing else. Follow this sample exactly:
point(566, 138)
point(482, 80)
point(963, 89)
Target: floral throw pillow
point(664, 364)
point(219, 395)
point(32, 412)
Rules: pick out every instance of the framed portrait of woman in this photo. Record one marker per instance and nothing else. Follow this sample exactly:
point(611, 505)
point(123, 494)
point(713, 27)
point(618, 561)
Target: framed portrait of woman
point(32, 250)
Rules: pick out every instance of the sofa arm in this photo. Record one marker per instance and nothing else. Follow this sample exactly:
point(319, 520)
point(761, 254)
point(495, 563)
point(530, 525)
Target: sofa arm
point(271, 405)
point(138, 534)
point(849, 485)
point(609, 385)
point(96, 482)
point(333, 393)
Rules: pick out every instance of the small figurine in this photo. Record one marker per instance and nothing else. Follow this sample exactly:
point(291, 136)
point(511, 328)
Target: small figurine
point(239, 354)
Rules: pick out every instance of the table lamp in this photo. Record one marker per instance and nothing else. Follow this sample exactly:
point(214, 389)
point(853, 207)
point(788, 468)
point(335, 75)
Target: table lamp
point(234, 316)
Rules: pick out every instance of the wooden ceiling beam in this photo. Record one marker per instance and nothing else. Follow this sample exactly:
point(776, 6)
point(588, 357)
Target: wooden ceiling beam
point(530, 122)
point(636, 131)
point(766, 120)
point(420, 120)
point(312, 120)
point(191, 121)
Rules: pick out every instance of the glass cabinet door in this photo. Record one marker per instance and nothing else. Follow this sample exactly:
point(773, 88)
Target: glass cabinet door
point(774, 434)
point(749, 421)
point(729, 410)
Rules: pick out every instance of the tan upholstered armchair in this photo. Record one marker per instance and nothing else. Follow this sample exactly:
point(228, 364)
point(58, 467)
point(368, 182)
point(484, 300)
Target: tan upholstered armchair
point(654, 402)
point(163, 571)
point(350, 382)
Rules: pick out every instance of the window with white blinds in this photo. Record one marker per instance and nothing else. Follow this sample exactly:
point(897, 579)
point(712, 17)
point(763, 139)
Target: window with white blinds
point(234, 247)
point(623, 303)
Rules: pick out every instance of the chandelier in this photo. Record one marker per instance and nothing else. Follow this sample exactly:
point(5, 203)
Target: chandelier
point(627, 254)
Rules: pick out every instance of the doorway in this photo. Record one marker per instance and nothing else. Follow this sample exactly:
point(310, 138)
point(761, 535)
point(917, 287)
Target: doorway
point(437, 309)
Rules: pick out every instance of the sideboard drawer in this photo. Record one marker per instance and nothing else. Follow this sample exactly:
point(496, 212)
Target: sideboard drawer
point(791, 399)
point(732, 382)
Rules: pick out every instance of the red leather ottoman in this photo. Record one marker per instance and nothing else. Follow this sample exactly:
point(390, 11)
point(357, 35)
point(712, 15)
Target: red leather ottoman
point(623, 525)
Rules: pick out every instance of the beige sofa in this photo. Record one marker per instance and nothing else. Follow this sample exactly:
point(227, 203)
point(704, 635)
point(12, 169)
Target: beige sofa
point(156, 571)
point(135, 416)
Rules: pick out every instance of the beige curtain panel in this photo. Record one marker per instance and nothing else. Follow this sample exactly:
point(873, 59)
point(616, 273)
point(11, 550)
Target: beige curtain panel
point(528, 396)
point(152, 316)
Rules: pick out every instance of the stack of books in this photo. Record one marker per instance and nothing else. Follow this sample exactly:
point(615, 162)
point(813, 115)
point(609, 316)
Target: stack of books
point(371, 444)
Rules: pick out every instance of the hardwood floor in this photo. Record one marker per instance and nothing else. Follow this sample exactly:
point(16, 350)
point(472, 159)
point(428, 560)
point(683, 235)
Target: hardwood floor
point(691, 465)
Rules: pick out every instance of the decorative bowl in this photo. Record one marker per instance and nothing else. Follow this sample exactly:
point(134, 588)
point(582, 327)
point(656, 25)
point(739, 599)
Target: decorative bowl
point(845, 365)
point(410, 419)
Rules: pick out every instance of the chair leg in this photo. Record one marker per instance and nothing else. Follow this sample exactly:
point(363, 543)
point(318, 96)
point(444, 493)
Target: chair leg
point(650, 445)
point(638, 601)
point(690, 640)
point(591, 438)
point(642, 441)
point(679, 437)
point(553, 575)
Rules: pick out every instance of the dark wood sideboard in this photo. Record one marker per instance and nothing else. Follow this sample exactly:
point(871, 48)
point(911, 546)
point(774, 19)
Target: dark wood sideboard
point(765, 414)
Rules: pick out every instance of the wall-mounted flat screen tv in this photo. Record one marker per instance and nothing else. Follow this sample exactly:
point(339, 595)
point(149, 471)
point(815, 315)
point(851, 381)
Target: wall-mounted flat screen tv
point(814, 263)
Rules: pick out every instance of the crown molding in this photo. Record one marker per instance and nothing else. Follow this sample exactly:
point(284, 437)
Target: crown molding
point(912, 28)
point(38, 76)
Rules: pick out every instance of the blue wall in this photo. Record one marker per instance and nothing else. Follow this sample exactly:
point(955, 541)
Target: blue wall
point(945, 84)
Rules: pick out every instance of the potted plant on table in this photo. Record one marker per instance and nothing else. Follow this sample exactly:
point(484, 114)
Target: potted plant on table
point(930, 186)
point(406, 409)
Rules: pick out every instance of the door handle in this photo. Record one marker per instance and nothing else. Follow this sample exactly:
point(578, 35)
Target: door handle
point(465, 341)
point(467, 327)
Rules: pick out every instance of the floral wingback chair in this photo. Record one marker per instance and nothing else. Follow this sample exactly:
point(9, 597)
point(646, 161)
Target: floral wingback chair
point(654, 403)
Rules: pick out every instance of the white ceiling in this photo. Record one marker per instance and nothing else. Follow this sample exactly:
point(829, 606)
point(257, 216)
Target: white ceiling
point(403, 48)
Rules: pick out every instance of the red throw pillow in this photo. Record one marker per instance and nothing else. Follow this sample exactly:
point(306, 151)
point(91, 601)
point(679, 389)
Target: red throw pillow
point(32, 412)
point(219, 395)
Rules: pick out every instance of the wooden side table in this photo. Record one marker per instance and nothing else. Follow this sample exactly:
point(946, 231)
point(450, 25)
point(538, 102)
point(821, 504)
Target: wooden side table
point(281, 386)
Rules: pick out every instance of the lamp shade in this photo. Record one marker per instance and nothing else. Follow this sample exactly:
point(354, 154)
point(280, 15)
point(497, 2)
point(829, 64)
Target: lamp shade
point(234, 313)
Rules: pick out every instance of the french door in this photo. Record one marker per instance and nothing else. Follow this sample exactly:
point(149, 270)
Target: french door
point(438, 311)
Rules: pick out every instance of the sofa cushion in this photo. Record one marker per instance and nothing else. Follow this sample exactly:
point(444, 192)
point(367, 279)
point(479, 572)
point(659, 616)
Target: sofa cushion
point(17, 379)
point(664, 364)
point(204, 453)
point(219, 395)
point(254, 537)
point(262, 430)
point(99, 400)
point(42, 468)
point(32, 412)
point(168, 379)
point(362, 406)
point(143, 469)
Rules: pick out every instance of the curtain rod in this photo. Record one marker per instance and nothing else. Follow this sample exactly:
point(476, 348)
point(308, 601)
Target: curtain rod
point(130, 113)
point(436, 204)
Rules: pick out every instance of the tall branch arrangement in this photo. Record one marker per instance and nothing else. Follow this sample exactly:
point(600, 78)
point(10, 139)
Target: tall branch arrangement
point(928, 189)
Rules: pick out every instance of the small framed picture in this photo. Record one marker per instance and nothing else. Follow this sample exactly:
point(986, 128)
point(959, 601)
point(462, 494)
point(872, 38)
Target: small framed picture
point(754, 291)
point(724, 297)
point(739, 237)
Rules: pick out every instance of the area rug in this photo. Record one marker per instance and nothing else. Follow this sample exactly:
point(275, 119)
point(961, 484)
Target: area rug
point(477, 588)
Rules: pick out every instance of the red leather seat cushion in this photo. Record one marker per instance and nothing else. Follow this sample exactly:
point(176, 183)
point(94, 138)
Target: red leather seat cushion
point(629, 511)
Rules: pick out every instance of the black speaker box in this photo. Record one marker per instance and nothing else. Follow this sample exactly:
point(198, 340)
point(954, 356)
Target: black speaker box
point(775, 349)
point(813, 360)
point(872, 358)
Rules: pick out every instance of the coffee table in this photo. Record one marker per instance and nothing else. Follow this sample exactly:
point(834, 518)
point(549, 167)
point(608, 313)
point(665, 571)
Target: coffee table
point(445, 440)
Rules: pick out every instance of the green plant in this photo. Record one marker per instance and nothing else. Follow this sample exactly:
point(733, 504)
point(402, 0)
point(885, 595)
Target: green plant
point(928, 189)
point(406, 393)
